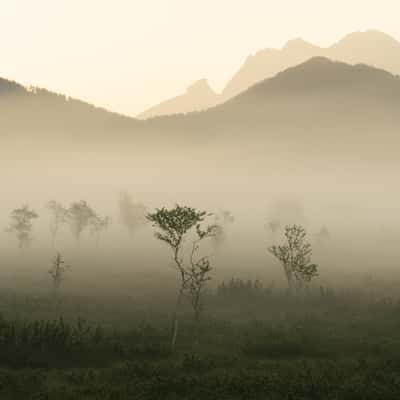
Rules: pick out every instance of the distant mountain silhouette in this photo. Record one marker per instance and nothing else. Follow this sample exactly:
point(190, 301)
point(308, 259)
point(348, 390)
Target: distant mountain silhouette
point(318, 109)
point(198, 97)
point(31, 110)
point(267, 63)
point(371, 47)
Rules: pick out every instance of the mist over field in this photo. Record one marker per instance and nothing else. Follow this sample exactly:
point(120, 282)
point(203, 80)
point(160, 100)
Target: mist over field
point(239, 243)
point(355, 202)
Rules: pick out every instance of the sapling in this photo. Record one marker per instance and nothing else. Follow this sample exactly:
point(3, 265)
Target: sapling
point(58, 270)
point(295, 257)
point(174, 225)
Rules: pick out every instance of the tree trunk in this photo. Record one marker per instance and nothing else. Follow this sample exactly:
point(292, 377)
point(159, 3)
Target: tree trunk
point(175, 321)
point(174, 332)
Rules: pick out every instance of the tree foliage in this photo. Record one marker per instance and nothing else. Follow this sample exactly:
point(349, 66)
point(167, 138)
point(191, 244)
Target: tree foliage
point(21, 224)
point(79, 215)
point(295, 257)
point(173, 226)
point(99, 224)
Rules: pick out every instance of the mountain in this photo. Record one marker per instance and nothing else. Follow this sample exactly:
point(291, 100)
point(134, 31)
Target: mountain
point(267, 63)
point(319, 109)
point(371, 47)
point(33, 111)
point(197, 97)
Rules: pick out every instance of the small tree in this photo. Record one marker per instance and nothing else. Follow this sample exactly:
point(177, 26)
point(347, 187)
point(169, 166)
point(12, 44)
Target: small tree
point(98, 225)
point(174, 225)
point(79, 216)
point(59, 217)
point(133, 215)
point(199, 271)
point(295, 257)
point(21, 224)
point(58, 270)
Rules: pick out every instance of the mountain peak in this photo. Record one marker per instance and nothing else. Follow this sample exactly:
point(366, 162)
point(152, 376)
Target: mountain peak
point(200, 87)
point(317, 61)
point(198, 96)
point(319, 69)
point(371, 37)
point(370, 47)
point(321, 73)
point(298, 44)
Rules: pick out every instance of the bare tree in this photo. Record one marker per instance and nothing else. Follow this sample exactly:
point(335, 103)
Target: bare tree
point(58, 270)
point(79, 216)
point(59, 217)
point(295, 257)
point(132, 214)
point(21, 224)
point(174, 225)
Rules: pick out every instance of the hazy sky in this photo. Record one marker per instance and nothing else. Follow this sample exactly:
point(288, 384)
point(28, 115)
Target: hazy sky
point(127, 55)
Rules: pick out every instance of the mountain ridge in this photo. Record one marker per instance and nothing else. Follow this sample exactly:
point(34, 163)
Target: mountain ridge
point(310, 99)
point(354, 48)
point(197, 97)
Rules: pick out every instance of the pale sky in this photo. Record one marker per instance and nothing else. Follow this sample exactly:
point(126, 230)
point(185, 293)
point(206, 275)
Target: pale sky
point(129, 55)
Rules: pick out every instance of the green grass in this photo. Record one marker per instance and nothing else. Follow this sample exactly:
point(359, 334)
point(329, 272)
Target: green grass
point(264, 345)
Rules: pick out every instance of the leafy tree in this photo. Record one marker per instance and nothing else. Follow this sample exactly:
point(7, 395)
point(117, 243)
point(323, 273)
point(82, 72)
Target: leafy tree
point(174, 225)
point(58, 270)
point(133, 215)
point(59, 217)
point(98, 225)
point(79, 216)
point(21, 224)
point(295, 257)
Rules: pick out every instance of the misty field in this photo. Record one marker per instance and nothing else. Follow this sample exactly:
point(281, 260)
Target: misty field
point(89, 306)
point(199, 200)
